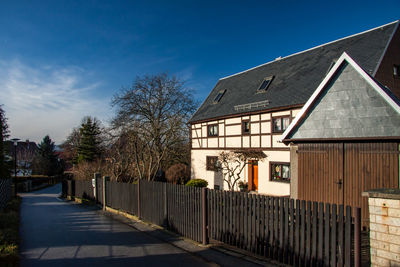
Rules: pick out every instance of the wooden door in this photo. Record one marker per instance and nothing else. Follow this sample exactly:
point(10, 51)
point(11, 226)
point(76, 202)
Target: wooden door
point(369, 166)
point(320, 172)
point(253, 175)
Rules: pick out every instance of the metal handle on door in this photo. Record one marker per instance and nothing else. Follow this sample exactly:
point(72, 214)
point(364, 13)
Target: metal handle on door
point(339, 183)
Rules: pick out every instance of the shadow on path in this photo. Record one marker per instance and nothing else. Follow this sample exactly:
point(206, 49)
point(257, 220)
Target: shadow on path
point(58, 233)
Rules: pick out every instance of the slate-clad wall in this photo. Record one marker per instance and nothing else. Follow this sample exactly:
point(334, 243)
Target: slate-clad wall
point(348, 108)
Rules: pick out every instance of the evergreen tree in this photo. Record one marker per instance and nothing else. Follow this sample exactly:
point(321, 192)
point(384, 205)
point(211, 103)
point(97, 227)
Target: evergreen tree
point(89, 147)
point(46, 161)
point(4, 170)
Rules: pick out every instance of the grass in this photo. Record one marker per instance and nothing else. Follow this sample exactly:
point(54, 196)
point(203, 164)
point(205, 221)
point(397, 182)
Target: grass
point(9, 238)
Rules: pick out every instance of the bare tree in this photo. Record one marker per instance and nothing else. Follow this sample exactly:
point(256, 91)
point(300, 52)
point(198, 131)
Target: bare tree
point(232, 164)
point(26, 152)
point(70, 146)
point(154, 111)
point(119, 160)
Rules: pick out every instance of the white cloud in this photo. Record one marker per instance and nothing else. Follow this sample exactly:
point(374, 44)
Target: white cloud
point(47, 100)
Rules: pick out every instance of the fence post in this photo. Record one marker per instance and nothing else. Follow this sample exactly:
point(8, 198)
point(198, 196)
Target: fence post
point(95, 176)
point(105, 178)
point(357, 235)
point(138, 200)
point(204, 214)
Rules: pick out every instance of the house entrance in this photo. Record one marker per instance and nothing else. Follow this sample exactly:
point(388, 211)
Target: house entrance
point(253, 175)
point(340, 172)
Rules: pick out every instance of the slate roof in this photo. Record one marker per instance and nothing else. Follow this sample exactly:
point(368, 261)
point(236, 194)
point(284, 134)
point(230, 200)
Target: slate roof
point(295, 77)
point(348, 104)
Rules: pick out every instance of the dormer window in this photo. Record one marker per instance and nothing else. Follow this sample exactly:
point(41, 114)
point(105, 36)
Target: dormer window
point(396, 71)
point(219, 96)
point(265, 84)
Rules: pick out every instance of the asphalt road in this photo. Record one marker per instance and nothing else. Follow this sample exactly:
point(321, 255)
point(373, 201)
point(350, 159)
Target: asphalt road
point(58, 233)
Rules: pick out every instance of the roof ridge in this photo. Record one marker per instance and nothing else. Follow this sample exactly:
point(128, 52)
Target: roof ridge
point(315, 47)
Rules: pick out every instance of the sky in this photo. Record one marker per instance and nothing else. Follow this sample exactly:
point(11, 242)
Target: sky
point(63, 60)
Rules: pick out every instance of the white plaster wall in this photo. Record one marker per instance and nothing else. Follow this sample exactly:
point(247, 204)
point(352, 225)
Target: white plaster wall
point(265, 116)
point(265, 141)
point(246, 141)
point(204, 142)
point(204, 131)
point(221, 142)
point(233, 142)
point(199, 164)
point(213, 142)
point(265, 186)
point(282, 113)
point(255, 128)
point(233, 130)
point(221, 129)
point(276, 143)
point(266, 127)
point(255, 117)
point(233, 120)
point(295, 112)
point(196, 143)
point(255, 141)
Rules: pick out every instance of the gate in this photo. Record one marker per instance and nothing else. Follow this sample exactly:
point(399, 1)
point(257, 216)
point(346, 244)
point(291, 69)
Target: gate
point(340, 172)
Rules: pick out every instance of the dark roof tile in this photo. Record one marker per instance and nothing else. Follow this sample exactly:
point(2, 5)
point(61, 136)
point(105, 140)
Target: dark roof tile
point(295, 77)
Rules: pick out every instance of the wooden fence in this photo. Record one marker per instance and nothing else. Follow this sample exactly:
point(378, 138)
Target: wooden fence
point(293, 232)
point(297, 232)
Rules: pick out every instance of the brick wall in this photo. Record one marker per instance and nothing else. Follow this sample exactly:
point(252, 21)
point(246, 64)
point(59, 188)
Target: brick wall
point(384, 210)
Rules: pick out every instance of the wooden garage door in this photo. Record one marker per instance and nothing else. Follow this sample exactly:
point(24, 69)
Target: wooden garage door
point(320, 170)
point(369, 166)
point(340, 172)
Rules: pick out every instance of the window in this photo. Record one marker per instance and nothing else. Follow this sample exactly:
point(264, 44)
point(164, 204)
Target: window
point(216, 187)
point(219, 96)
point(265, 84)
point(246, 127)
point(280, 124)
point(212, 130)
point(280, 172)
point(212, 163)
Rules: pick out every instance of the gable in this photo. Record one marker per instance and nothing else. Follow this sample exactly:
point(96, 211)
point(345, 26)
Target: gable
point(295, 76)
point(348, 106)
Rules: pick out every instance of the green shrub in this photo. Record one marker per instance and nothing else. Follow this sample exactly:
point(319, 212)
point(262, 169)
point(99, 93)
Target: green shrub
point(9, 222)
point(197, 183)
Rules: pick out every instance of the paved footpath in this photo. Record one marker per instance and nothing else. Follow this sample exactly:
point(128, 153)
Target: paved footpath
point(58, 233)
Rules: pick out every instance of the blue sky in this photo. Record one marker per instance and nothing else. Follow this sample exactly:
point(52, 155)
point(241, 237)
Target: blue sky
point(62, 60)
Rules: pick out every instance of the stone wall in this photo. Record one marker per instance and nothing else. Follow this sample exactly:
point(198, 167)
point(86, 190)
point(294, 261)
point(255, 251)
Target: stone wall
point(384, 210)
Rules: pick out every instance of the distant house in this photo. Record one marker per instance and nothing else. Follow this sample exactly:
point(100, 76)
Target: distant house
point(26, 151)
point(345, 140)
point(251, 109)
